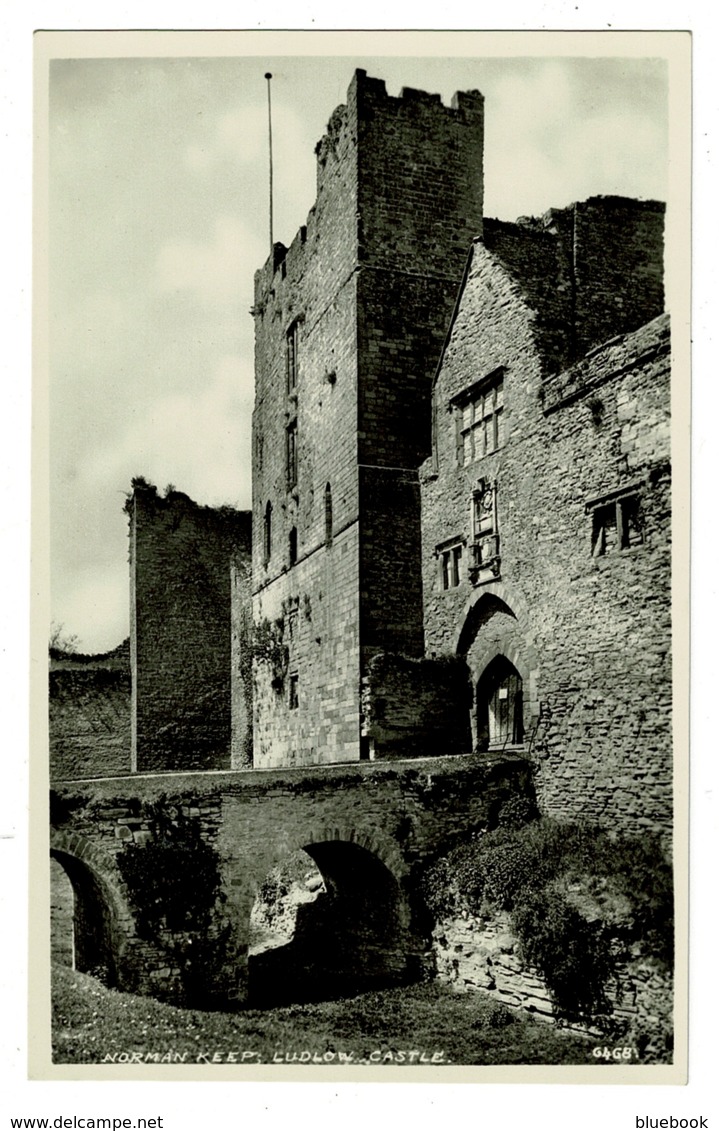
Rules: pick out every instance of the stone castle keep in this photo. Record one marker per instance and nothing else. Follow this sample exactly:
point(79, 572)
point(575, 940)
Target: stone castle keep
point(458, 556)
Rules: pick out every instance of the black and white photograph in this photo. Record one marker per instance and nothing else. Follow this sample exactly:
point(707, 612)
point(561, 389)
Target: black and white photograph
point(363, 407)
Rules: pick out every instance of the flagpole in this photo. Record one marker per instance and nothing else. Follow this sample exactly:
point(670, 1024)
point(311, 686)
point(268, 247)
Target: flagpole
point(268, 76)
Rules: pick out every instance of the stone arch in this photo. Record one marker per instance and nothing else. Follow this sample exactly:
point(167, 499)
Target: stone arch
point(373, 842)
point(103, 923)
point(495, 624)
point(358, 933)
point(503, 595)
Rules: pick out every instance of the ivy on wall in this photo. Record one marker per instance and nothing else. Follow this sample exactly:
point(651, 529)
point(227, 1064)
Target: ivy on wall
point(173, 881)
point(269, 647)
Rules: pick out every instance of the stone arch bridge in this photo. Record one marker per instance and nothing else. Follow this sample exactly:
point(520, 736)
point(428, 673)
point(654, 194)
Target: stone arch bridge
point(370, 828)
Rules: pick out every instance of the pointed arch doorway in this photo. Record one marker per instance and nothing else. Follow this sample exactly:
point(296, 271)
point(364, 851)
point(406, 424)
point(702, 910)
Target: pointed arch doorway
point(499, 706)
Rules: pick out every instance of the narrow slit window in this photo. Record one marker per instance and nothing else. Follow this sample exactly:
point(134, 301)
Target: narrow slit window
point(267, 533)
point(292, 455)
point(328, 515)
point(292, 357)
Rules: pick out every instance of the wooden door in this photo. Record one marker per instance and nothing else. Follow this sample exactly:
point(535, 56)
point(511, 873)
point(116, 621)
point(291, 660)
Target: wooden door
point(504, 702)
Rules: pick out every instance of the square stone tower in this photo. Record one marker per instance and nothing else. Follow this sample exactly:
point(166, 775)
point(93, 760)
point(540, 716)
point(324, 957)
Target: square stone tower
point(349, 324)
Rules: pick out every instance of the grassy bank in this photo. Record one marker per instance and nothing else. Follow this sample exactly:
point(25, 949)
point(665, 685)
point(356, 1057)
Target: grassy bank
point(92, 1023)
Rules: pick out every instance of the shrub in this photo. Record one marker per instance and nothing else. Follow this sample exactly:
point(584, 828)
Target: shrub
point(570, 889)
point(571, 954)
point(517, 811)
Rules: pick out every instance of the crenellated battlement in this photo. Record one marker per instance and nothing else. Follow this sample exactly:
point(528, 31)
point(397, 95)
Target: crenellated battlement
point(414, 124)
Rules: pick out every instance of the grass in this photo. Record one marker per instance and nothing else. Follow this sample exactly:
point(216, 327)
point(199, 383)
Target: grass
point(92, 1024)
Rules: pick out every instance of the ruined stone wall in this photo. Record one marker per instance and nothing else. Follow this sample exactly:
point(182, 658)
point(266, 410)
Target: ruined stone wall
point(618, 267)
point(349, 322)
point(588, 633)
point(484, 956)
point(188, 574)
point(416, 707)
point(587, 272)
point(89, 714)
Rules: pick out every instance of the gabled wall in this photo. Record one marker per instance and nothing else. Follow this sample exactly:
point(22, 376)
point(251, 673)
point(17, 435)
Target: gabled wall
point(588, 633)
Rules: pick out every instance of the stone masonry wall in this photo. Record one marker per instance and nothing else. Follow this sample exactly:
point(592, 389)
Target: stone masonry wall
point(390, 580)
point(311, 286)
point(483, 956)
point(89, 714)
point(314, 610)
point(420, 203)
point(588, 633)
point(187, 582)
point(588, 272)
point(618, 267)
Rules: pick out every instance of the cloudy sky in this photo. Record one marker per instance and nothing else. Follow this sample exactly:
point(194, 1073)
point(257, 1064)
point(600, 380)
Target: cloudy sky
point(159, 218)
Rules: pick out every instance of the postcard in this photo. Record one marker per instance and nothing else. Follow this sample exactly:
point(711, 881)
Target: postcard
point(361, 550)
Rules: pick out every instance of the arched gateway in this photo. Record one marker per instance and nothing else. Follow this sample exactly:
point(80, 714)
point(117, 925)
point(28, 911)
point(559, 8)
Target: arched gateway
point(492, 638)
point(102, 922)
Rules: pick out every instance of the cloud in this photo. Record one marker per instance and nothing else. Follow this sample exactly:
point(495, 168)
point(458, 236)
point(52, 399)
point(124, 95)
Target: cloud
point(242, 135)
point(210, 269)
point(198, 440)
point(238, 148)
point(549, 142)
point(94, 606)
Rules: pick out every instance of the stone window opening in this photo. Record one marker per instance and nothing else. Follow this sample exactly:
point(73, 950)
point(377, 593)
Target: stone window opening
point(292, 619)
point(328, 515)
point(293, 700)
point(292, 455)
point(484, 548)
point(292, 354)
point(293, 546)
point(616, 524)
point(479, 419)
point(267, 533)
point(450, 565)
